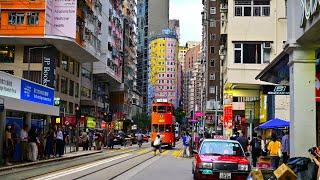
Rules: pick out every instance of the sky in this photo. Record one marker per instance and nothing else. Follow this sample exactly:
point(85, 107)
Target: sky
point(189, 14)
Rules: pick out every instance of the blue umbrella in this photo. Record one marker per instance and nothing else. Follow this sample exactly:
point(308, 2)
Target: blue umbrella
point(274, 124)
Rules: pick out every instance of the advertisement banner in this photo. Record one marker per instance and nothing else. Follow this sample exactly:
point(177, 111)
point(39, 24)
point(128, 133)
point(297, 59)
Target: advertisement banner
point(91, 122)
point(48, 66)
point(61, 18)
point(227, 116)
point(36, 93)
point(10, 86)
point(70, 120)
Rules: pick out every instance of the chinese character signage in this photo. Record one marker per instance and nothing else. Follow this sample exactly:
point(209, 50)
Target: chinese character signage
point(9, 86)
point(227, 116)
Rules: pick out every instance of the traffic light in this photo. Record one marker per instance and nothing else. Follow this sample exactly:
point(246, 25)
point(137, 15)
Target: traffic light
point(78, 112)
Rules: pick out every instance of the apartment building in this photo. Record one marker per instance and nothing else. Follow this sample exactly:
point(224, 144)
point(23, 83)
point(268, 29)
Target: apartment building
point(163, 82)
point(252, 34)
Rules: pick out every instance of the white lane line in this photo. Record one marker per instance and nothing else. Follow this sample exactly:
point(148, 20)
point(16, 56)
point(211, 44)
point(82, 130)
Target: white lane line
point(72, 171)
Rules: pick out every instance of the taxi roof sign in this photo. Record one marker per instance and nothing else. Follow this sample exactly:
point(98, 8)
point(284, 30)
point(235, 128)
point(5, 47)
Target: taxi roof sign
point(219, 137)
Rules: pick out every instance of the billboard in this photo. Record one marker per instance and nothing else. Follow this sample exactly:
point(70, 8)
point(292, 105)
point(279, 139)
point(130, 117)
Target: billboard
point(36, 93)
point(48, 67)
point(61, 18)
point(9, 86)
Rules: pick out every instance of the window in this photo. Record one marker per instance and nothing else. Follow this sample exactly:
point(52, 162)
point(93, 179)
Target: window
point(251, 53)
point(252, 8)
point(86, 73)
point(212, 90)
point(71, 66)
point(35, 76)
point(64, 62)
point(85, 92)
point(71, 88)
point(76, 68)
point(212, 49)
point(212, 62)
point(212, 10)
point(33, 18)
point(36, 54)
point(213, 23)
point(213, 37)
point(70, 107)
point(7, 54)
point(64, 85)
point(212, 76)
point(16, 18)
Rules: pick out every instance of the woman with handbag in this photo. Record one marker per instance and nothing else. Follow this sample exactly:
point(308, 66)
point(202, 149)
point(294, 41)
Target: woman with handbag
point(274, 148)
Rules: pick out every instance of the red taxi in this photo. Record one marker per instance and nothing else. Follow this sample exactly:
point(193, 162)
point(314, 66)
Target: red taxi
point(220, 159)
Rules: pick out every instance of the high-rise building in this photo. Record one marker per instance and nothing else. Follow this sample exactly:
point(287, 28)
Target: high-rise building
point(163, 82)
point(152, 18)
point(211, 44)
point(252, 34)
point(174, 24)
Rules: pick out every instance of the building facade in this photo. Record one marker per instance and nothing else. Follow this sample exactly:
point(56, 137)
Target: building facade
point(163, 77)
point(152, 18)
point(247, 46)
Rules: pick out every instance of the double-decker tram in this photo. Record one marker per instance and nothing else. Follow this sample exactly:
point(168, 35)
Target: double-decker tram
point(163, 123)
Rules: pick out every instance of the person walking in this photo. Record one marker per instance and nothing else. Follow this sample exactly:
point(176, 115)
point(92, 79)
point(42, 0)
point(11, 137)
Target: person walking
point(274, 148)
point(49, 143)
point(243, 141)
point(157, 144)
point(285, 147)
point(59, 142)
point(186, 144)
point(90, 139)
point(33, 149)
point(24, 142)
point(8, 146)
point(255, 148)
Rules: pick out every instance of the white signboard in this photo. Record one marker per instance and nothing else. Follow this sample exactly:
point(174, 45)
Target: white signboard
point(10, 86)
point(61, 18)
point(238, 106)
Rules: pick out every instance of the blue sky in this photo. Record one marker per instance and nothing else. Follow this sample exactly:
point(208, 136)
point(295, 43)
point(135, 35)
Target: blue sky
point(189, 14)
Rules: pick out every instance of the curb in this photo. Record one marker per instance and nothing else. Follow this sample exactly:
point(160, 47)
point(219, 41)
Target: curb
point(46, 161)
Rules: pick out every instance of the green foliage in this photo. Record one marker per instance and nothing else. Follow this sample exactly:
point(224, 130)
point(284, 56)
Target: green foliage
point(180, 114)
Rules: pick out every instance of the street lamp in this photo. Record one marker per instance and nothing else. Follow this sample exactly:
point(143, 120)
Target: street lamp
point(29, 56)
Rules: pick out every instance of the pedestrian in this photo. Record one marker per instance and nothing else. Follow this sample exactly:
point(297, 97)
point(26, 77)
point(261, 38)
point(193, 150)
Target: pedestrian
point(8, 146)
point(33, 149)
point(243, 141)
point(16, 144)
point(186, 144)
point(274, 148)
point(49, 143)
point(85, 140)
point(40, 145)
point(59, 142)
point(157, 144)
point(285, 147)
point(24, 142)
point(90, 139)
point(255, 147)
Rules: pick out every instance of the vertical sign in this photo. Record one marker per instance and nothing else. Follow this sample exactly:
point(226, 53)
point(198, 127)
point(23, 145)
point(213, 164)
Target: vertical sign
point(48, 67)
point(227, 115)
point(61, 18)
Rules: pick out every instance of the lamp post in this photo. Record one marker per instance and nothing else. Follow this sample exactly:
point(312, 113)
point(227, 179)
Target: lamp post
point(29, 56)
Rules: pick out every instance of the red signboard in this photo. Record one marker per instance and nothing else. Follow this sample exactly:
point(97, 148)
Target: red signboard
point(103, 125)
point(70, 120)
point(227, 115)
point(318, 87)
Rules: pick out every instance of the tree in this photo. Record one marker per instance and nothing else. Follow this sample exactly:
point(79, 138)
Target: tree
point(180, 115)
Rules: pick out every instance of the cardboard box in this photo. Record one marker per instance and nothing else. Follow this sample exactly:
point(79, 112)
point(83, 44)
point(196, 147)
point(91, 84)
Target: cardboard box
point(256, 174)
point(284, 173)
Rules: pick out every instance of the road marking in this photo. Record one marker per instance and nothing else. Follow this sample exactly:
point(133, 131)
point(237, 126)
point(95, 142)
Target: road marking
point(165, 152)
point(142, 151)
point(72, 171)
point(176, 153)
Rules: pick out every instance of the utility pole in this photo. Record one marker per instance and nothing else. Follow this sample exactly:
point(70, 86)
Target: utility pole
point(78, 116)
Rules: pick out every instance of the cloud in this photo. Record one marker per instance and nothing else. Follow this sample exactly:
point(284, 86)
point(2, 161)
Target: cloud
point(189, 14)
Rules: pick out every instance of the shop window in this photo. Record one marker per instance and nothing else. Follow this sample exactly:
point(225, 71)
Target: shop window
point(32, 54)
point(16, 18)
point(71, 88)
point(77, 90)
point(64, 85)
point(35, 76)
point(64, 62)
point(7, 54)
point(33, 18)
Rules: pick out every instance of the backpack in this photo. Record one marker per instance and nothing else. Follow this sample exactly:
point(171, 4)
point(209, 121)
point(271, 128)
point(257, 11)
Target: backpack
point(257, 144)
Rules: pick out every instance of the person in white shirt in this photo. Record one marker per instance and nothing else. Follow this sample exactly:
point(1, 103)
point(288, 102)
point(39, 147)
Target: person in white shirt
point(59, 142)
point(24, 142)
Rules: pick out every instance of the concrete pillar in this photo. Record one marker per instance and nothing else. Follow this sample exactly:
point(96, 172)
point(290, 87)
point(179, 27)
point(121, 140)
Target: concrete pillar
point(28, 120)
point(302, 104)
point(2, 129)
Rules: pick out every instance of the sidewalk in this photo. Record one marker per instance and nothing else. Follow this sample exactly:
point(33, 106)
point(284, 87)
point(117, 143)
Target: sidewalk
point(68, 155)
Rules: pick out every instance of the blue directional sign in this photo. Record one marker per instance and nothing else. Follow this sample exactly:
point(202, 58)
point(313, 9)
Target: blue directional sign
point(36, 93)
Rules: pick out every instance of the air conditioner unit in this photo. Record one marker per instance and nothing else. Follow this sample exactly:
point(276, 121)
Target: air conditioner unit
point(267, 45)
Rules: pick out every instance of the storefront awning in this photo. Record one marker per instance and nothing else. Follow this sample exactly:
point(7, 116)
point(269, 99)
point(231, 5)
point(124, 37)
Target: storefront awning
point(277, 71)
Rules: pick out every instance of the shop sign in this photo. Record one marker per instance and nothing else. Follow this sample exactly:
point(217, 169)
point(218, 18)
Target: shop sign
point(198, 114)
point(10, 86)
point(57, 101)
point(48, 67)
point(91, 122)
point(276, 90)
point(36, 93)
point(239, 106)
point(318, 87)
point(227, 116)
point(70, 120)
point(309, 8)
point(58, 120)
